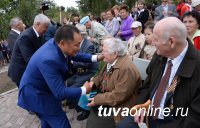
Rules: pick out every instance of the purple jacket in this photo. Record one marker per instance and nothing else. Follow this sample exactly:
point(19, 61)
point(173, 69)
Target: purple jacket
point(126, 31)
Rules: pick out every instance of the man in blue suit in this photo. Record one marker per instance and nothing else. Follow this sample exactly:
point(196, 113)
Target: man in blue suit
point(42, 87)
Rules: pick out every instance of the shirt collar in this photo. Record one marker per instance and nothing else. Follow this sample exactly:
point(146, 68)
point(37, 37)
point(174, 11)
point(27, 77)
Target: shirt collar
point(180, 57)
point(141, 11)
point(18, 32)
point(37, 34)
point(165, 5)
point(81, 43)
point(111, 65)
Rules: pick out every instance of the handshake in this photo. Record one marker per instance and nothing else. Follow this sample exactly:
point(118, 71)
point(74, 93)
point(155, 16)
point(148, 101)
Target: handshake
point(88, 86)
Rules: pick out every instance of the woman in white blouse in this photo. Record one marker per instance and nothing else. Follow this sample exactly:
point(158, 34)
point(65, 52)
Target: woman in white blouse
point(112, 24)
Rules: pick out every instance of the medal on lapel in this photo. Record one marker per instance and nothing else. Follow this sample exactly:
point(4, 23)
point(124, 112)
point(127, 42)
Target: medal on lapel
point(173, 85)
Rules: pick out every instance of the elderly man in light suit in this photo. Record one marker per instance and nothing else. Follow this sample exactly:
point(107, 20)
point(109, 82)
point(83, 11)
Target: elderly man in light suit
point(165, 10)
point(98, 31)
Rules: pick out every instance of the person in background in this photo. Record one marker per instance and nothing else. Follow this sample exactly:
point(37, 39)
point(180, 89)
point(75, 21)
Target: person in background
point(17, 27)
point(192, 23)
point(165, 10)
point(179, 7)
point(116, 11)
point(125, 32)
point(25, 46)
point(51, 30)
point(103, 18)
point(65, 21)
point(97, 31)
point(196, 5)
point(76, 19)
point(148, 49)
point(116, 85)
point(142, 13)
point(112, 24)
point(134, 11)
point(136, 42)
point(91, 16)
point(171, 2)
point(186, 7)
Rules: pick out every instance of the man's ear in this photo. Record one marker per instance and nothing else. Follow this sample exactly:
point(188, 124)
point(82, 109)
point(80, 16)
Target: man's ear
point(172, 41)
point(62, 43)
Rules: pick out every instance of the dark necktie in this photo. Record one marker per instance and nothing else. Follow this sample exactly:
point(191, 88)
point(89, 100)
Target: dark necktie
point(161, 88)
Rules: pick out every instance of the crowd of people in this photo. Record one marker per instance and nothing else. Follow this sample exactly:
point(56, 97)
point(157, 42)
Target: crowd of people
point(89, 62)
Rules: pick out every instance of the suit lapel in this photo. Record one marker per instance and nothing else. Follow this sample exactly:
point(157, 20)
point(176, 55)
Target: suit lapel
point(83, 46)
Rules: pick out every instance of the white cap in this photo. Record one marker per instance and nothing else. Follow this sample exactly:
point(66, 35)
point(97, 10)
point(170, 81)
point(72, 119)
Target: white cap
point(136, 24)
point(195, 3)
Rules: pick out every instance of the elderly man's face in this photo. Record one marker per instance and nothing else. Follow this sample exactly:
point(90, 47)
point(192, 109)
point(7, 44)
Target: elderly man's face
point(20, 26)
point(163, 47)
point(42, 28)
point(71, 48)
point(88, 25)
point(108, 57)
point(137, 31)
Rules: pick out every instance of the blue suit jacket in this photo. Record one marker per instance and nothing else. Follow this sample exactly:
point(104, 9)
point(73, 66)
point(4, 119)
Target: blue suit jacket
point(42, 87)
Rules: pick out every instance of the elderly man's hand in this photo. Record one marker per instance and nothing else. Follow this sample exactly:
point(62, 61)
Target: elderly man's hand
point(88, 87)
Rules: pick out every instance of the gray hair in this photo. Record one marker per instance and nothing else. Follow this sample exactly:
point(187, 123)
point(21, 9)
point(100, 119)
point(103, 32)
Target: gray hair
point(115, 45)
point(14, 22)
point(41, 18)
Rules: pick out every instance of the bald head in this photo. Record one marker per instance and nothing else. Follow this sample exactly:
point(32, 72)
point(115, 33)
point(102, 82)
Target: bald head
point(171, 26)
point(169, 37)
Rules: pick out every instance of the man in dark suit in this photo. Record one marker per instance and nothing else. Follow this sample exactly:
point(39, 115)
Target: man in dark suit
point(42, 87)
point(25, 46)
point(17, 26)
point(165, 10)
point(173, 81)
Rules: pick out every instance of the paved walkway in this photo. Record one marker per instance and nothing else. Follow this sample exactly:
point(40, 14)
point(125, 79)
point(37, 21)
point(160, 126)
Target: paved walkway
point(12, 116)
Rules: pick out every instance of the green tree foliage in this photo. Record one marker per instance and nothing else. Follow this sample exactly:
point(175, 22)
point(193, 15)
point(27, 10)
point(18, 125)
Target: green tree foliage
point(25, 9)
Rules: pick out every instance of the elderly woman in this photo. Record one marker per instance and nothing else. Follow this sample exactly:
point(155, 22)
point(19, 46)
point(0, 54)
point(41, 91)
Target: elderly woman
point(192, 23)
point(136, 42)
point(125, 32)
point(112, 24)
point(116, 85)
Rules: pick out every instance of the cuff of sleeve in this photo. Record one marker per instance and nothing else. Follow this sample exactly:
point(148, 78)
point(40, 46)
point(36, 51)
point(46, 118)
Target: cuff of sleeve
point(83, 90)
point(94, 58)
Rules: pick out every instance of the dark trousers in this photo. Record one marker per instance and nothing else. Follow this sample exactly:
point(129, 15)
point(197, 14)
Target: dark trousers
point(54, 121)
